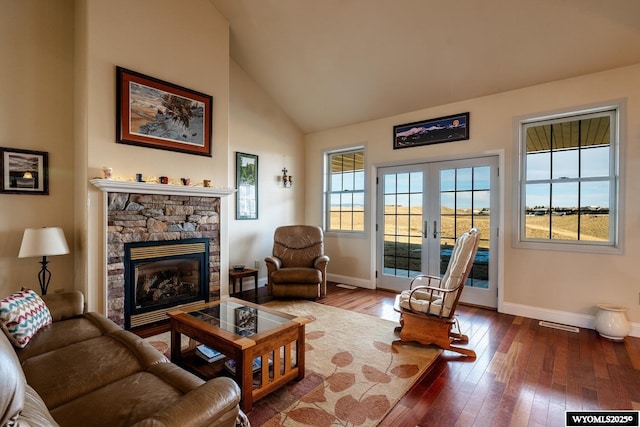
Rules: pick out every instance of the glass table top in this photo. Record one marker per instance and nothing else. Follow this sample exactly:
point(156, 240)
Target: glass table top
point(239, 319)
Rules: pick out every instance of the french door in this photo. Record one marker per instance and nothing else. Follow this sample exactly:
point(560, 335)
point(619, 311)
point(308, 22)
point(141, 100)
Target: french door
point(423, 208)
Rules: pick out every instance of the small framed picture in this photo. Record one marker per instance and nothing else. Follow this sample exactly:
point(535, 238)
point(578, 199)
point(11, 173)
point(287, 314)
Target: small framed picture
point(432, 131)
point(246, 321)
point(24, 171)
point(157, 114)
point(247, 185)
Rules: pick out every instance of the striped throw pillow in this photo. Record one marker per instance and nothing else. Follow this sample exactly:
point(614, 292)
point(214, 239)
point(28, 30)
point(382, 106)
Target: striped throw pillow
point(22, 315)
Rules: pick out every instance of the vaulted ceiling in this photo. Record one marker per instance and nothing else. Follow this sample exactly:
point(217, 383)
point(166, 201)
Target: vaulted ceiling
point(329, 63)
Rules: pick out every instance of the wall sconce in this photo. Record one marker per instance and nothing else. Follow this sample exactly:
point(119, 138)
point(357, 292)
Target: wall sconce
point(287, 180)
point(43, 242)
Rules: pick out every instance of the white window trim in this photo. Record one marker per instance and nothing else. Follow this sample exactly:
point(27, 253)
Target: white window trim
point(325, 193)
point(617, 209)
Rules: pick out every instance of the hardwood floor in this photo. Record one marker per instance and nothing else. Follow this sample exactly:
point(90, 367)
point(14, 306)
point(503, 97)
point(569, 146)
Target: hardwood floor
point(524, 374)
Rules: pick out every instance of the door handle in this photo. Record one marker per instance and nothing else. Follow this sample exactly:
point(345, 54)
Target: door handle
point(425, 229)
point(435, 229)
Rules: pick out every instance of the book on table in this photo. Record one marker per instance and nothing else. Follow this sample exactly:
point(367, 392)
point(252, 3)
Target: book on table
point(209, 354)
point(257, 365)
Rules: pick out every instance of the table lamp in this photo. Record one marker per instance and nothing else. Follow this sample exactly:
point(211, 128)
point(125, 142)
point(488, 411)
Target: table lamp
point(44, 242)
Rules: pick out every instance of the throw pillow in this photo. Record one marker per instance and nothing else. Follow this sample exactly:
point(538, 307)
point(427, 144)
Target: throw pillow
point(22, 315)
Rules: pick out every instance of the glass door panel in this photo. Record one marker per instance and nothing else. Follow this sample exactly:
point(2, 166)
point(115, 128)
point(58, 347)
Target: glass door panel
point(424, 208)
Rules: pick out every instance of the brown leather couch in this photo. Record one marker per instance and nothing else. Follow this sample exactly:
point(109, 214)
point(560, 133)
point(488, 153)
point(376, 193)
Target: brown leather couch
point(84, 370)
point(298, 265)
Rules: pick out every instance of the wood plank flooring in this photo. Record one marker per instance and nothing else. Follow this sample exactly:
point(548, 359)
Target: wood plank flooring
point(524, 375)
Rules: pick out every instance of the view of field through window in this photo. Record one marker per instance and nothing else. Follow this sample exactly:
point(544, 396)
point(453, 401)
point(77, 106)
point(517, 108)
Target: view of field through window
point(464, 195)
point(567, 191)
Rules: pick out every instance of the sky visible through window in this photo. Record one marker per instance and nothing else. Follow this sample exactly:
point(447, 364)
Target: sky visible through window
point(462, 188)
point(593, 164)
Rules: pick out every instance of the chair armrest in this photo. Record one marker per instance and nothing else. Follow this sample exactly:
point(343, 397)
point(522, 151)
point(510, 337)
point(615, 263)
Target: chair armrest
point(273, 262)
point(215, 403)
point(65, 305)
point(321, 262)
point(428, 277)
point(433, 289)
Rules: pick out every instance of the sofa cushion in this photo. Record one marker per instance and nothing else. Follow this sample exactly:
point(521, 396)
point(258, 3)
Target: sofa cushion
point(64, 374)
point(65, 305)
point(123, 402)
point(22, 315)
point(297, 275)
point(12, 383)
point(62, 334)
point(35, 413)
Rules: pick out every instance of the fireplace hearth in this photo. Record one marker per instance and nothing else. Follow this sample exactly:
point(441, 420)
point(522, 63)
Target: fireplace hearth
point(163, 275)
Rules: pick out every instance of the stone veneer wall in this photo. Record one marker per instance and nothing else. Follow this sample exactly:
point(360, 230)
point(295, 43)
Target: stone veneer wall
point(136, 217)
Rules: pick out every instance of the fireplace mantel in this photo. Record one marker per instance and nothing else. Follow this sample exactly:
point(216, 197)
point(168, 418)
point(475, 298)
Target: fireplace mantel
point(115, 186)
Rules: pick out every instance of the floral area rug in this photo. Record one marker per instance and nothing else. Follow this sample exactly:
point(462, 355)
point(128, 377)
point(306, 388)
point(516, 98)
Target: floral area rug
point(354, 374)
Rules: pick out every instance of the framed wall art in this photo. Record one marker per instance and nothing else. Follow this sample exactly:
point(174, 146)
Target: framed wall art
point(433, 131)
point(24, 171)
point(157, 114)
point(247, 186)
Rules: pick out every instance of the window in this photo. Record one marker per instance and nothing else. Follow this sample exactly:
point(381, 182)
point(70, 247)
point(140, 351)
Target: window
point(569, 180)
point(344, 202)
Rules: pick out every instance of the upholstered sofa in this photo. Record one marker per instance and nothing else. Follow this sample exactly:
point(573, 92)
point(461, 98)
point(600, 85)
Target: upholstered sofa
point(84, 370)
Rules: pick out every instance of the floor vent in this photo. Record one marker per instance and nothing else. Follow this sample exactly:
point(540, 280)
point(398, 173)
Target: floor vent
point(342, 285)
point(559, 326)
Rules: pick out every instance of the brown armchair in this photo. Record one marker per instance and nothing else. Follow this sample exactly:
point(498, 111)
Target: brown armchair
point(298, 266)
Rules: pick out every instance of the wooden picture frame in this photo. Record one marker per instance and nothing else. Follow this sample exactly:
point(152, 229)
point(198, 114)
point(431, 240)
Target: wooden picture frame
point(24, 171)
point(432, 131)
point(157, 114)
point(247, 186)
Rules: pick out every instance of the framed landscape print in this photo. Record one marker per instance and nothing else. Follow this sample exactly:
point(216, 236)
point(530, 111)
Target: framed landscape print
point(433, 131)
point(24, 171)
point(247, 186)
point(156, 114)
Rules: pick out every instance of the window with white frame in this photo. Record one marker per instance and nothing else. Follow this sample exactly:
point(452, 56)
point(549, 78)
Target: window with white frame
point(569, 168)
point(344, 195)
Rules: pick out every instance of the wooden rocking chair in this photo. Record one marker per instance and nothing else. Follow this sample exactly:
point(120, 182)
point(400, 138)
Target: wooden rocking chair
point(427, 309)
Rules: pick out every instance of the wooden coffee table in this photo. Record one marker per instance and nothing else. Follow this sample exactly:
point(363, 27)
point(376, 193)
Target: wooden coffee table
point(242, 331)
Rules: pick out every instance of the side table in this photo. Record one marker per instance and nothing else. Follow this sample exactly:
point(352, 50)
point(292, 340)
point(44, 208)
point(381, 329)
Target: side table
point(247, 272)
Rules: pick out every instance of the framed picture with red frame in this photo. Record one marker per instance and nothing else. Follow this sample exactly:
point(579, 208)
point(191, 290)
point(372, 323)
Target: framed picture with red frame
point(157, 114)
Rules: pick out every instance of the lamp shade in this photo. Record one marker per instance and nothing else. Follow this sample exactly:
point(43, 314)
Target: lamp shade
point(45, 241)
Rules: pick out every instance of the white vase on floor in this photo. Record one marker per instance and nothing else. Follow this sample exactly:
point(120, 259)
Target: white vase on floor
point(611, 322)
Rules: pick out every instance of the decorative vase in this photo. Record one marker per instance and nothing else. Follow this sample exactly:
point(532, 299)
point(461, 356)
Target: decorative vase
point(611, 322)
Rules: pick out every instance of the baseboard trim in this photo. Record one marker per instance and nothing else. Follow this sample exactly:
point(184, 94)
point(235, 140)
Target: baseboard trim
point(557, 316)
point(361, 283)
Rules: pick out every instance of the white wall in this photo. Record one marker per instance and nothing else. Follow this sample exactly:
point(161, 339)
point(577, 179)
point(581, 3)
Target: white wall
point(36, 82)
point(185, 43)
point(258, 126)
point(548, 284)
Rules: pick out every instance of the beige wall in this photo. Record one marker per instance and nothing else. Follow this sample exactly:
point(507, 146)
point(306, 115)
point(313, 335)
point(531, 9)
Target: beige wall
point(185, 43)
point(36, 82)
point(258, 126)
point(551, 285)
point(75, 47)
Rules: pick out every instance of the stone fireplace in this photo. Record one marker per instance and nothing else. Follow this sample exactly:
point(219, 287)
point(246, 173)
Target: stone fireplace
point(137, 213)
